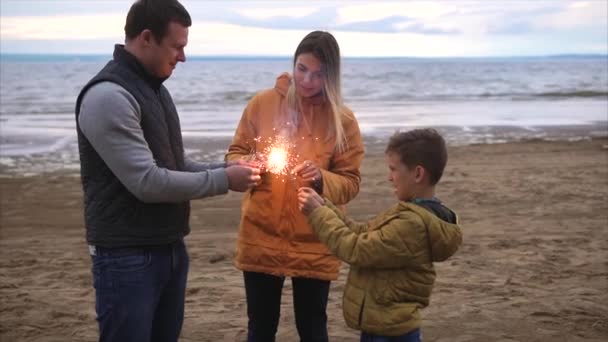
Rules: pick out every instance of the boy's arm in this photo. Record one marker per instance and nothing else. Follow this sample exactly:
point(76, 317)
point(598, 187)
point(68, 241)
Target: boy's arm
point(357, 227)
point(397, 244)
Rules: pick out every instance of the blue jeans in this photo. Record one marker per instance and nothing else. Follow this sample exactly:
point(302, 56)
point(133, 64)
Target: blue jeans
point(264, 305)
point(412, 336)
point(140, 292)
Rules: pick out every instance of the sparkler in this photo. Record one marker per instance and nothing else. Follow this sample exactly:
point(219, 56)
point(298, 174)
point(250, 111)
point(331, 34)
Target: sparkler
point(277, 157)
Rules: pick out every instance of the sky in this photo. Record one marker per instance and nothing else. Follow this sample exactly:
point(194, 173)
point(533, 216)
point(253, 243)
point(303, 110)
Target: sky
point(450, 28)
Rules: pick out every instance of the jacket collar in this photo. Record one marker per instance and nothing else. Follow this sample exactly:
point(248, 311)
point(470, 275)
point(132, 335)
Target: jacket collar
point(122, 56)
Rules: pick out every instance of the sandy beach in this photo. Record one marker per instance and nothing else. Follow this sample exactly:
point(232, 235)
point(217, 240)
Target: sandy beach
point(533, 266)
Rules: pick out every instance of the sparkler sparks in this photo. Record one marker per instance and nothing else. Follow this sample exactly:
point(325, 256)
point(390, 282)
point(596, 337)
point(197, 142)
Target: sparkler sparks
point(278, 159)
point(276, 156)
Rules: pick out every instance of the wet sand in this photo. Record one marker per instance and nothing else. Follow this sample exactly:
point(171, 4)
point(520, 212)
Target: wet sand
point(533, 267)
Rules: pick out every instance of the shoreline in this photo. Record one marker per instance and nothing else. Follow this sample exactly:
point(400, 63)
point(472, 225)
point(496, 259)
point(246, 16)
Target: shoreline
point(532, 266)
point(213, 148)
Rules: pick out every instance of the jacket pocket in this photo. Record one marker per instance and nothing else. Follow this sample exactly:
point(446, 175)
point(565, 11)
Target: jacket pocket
point(261, 210)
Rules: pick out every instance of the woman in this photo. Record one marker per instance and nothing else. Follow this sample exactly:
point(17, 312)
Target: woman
point(305, 118)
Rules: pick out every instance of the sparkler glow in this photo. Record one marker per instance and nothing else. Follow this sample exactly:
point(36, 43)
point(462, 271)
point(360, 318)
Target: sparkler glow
point(278, 159)
point(276, 156)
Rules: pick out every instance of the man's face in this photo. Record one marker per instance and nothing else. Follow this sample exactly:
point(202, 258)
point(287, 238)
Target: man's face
point(165, 55)
point(402, 177)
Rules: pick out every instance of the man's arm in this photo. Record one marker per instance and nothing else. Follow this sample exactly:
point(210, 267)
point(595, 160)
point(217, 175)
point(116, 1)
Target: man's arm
point(195, 166)
point(110, 119)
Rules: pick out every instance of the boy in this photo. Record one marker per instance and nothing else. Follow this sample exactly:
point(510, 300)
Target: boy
point(392, 255)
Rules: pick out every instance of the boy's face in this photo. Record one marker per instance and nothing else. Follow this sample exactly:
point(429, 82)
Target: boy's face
point(405, 180)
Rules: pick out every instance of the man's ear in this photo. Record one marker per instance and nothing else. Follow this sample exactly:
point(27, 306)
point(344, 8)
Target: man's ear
point(146, 37)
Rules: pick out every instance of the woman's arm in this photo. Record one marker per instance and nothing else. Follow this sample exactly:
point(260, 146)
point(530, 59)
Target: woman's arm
point(243, 142)
point(341, 180)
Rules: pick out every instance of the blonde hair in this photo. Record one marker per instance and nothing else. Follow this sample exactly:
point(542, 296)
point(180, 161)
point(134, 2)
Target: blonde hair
point(325, 48)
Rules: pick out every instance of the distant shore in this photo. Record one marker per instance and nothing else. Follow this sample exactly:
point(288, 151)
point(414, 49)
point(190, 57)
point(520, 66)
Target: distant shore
point(37, 57)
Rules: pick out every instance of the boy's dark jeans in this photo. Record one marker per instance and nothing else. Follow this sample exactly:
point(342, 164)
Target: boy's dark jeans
point(412, 336)
point(264, 305)
point(140, 292)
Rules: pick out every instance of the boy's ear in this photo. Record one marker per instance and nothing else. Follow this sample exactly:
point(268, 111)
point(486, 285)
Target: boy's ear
point(420, 172)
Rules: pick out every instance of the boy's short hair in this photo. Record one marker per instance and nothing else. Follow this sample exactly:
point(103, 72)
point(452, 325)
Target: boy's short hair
point(424, 147)
point(155, 15)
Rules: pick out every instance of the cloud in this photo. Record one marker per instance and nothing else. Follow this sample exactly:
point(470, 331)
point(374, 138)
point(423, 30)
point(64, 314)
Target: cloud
point(518, 27)
point(268, 13)
point(393, 24)
point(237, 39)
point(421, 10)
point(381, 28)
point(69, 27)
point(44, 8)
point(322, 18)
point(327, 18)
point(388, 24)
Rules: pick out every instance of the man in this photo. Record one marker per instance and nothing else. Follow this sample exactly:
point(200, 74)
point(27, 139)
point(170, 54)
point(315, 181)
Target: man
point(137, 182)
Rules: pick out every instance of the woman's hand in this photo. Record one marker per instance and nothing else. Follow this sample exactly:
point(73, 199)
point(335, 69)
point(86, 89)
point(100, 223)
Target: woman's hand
point(309, 200)
point(310, 174)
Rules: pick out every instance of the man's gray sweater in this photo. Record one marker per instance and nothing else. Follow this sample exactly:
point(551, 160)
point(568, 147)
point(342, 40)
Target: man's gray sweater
point(110, 120)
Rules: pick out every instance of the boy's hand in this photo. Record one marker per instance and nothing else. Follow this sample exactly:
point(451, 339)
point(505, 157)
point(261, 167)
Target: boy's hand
point(309, 200)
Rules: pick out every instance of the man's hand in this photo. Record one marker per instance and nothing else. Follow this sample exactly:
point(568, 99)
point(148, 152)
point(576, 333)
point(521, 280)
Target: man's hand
point(244, 162)
point(242, 176)
point(309, 200)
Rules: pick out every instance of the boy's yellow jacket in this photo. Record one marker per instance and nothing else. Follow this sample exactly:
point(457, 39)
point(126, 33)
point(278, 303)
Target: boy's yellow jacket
point(274, 236)
point(391, 258)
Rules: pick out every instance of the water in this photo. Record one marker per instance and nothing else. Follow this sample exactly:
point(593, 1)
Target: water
point(470, 100)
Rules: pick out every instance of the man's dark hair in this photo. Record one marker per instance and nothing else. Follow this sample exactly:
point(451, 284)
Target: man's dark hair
point(424, 147)
point(155, 15)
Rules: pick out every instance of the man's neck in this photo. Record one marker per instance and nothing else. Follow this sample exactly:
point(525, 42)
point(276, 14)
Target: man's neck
point(130, 48)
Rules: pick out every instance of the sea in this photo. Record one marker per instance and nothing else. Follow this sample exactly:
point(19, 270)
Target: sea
point(469, 100)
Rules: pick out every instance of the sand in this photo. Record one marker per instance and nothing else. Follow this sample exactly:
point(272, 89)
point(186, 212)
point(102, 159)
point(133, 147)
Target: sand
point(533, 266)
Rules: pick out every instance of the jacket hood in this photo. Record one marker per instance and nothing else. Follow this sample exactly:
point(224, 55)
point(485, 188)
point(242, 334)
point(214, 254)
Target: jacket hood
point(444, 237)
point(282, 85)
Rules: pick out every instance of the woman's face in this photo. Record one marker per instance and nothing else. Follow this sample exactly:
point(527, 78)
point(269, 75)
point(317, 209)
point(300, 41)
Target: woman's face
point(309, 75)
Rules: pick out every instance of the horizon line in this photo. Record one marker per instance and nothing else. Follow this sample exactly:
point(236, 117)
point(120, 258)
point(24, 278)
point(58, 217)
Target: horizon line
point(245, 56)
